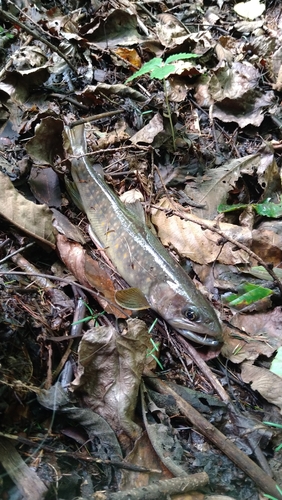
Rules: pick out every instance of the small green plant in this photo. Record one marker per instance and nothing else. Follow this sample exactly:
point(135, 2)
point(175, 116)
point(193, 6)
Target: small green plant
point(270, 496)
point(267, 208)
point(155, 346)
point(160, 69)
point(92, 316)
point(5, 36)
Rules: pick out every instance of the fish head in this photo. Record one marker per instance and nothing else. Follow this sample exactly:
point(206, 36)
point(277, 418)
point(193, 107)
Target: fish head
point(188, 311)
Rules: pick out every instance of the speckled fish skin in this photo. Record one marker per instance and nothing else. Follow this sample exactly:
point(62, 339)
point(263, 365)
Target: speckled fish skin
point(139, 256)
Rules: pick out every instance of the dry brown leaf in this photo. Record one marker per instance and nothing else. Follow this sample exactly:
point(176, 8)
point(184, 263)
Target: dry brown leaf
point(265, 326)
point(109, 373)
point(130, 55)
point(265, 382)
point(268, 245)
point(35, 220)
point(238, 351)
point(148, 133)
point(199, 245)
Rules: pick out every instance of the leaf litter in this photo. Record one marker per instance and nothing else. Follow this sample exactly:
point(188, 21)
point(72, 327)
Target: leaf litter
point(200, 127)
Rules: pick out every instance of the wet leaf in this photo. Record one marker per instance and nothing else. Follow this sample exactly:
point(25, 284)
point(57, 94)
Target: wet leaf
point(44, 184)
point(269, 209)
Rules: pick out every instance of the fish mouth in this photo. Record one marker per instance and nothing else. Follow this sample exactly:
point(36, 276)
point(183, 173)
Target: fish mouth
point(203, 339)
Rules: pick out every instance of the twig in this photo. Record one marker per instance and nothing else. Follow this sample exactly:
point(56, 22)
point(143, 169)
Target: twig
point(94, 118)
point(205, 369)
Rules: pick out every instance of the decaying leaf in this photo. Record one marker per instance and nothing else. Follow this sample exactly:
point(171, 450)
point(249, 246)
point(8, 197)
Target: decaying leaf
point(201, 246)
point(110, 368)
point(264, 381)
point(47, 141)
point(35, 220)
point(148, 133)
point(165, 443)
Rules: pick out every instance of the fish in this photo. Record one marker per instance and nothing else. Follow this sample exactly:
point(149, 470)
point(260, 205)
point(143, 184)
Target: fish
point(156, 280)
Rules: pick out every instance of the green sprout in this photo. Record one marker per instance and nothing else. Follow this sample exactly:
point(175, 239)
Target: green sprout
point(155, 346)
point(271, 497)
point(160, 69)
point(92, 316)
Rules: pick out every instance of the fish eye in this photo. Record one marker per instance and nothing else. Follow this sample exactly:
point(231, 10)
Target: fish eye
point(191, 313)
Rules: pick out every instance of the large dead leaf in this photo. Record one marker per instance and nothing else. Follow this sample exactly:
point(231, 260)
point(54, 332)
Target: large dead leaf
point(35, 220)
point(265, 326)
point(148, 133)
point(265, 382)
point(263, 336)
point(268, 245)
point(213, 189)
point(234, 90)
point(119, 28)
point(201, 246)
point(47, 141)
point(44, 184)
point(109, 373)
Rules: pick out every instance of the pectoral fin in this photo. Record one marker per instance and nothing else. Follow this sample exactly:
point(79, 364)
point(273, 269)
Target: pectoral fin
point(131, 298)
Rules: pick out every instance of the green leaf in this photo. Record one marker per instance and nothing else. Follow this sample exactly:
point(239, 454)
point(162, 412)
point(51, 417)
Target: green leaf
point(160, 69)
point(269, 209)
point(248, 294)
point(179, 57)
point(230, 208)
point(146, 68)
point(163, 71)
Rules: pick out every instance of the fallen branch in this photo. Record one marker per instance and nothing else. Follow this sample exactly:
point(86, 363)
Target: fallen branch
point(250, 468)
